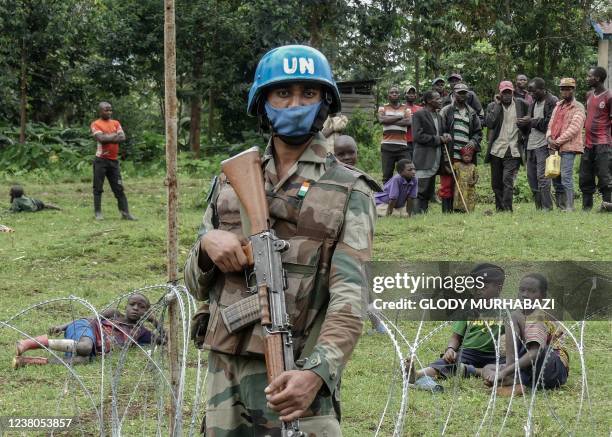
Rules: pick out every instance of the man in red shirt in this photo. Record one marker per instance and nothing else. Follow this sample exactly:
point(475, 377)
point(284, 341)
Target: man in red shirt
point(595, 162)
point(108, 133)
point(410, 95)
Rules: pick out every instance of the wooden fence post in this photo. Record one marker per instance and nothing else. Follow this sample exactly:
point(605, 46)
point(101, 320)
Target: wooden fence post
point(172, 199)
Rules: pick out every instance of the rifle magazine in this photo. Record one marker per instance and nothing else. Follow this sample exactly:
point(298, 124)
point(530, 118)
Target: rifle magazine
point(241, 314)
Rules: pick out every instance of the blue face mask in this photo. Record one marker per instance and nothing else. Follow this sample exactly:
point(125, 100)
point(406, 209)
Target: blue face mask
point(292, 122)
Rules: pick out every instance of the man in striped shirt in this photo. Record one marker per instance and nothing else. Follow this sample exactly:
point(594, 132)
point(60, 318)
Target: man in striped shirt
point(463, 124)
point(395, 118)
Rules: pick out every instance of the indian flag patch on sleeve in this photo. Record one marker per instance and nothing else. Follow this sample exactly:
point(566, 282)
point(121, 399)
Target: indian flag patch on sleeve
point(303, 189)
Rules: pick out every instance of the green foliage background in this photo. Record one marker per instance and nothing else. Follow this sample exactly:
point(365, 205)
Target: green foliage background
point(67, 56)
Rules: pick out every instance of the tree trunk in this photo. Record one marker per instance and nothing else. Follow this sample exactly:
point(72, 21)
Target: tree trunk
point(194, 127)
point(541, 44)
point(315, 27)
point(417, 72)
point(23, 92)
point(162, 104)
point(196, 104)
point(211, 113)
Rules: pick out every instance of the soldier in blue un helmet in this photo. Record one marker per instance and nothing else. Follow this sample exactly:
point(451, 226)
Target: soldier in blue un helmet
point(326, 212)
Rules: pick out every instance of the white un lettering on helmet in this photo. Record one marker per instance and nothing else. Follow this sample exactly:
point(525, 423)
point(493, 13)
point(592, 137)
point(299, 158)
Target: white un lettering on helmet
point(305, 65)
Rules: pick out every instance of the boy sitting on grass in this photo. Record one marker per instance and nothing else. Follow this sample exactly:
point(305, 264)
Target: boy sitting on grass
point(399, 191)
point(22, 203)
point(88, 337)
point(542, 359)
point(471, 346)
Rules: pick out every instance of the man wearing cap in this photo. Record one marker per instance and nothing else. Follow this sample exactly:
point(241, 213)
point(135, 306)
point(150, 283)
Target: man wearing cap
point(471, 98)
point(326, 212)
point(506, 142)
point(520, 88)
point(540, 112)
point(437, 85)
point(430, 139)
point(411, 95)
point(395, 118)
point(564, 135)
point(462, 123)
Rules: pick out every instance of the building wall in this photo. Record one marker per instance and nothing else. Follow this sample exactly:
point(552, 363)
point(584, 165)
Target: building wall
point(353, 102)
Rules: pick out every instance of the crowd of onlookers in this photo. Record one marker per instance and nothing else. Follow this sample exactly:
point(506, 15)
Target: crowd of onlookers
point(440, 132)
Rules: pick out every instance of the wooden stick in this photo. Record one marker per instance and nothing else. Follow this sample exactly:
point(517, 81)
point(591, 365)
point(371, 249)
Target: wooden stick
point(172, 198)
point(455, 179)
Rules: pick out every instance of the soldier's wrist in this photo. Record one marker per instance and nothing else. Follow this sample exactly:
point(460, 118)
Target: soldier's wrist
point(318, 381)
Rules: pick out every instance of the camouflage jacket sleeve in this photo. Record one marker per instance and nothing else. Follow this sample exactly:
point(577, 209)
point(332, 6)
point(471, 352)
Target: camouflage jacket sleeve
point(197, 281)
point(343, 322)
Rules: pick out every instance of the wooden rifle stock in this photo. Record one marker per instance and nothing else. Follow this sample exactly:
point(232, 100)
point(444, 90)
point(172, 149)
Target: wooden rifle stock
point(243, 171)
point(273, 343)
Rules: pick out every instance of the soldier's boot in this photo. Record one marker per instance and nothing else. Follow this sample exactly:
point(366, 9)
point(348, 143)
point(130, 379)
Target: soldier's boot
point(587, 202)
point(569, 201)
point(31, 343)
point(20, 361)
point(98, 207)
point(606, 207)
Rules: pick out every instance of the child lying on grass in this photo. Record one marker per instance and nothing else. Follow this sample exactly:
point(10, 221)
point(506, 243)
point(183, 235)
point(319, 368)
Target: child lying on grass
point(542, 360)
point(88, 337)
point(22, 203)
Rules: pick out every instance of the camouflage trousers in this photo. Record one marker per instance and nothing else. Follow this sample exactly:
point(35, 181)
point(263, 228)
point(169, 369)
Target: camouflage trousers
point(236, 403)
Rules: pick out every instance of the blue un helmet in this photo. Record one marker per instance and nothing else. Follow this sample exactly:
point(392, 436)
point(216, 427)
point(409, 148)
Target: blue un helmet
point(290, 64)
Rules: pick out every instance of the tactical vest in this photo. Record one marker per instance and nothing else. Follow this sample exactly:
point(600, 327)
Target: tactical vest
point(312, 225)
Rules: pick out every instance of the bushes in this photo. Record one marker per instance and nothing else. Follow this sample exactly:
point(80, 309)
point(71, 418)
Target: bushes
point(46, 148)
point(53, 153)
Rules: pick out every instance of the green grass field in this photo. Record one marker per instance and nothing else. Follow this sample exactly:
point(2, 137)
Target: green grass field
point(57, 254)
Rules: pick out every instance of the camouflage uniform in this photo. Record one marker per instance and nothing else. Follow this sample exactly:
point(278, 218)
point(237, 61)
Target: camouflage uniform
point(330, 231)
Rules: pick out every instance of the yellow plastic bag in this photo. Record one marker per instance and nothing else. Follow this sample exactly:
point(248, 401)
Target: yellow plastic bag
point(553, 166)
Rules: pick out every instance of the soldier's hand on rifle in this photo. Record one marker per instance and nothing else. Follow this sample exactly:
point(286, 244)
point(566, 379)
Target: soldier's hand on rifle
point(292, 392)
point(225, 250)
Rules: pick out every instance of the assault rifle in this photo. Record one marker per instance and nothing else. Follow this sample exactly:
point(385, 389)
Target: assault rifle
point(263, 252)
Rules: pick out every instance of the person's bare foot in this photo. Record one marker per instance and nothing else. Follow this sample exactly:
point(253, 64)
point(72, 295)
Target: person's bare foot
point(410, 370)
point(506, 390)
